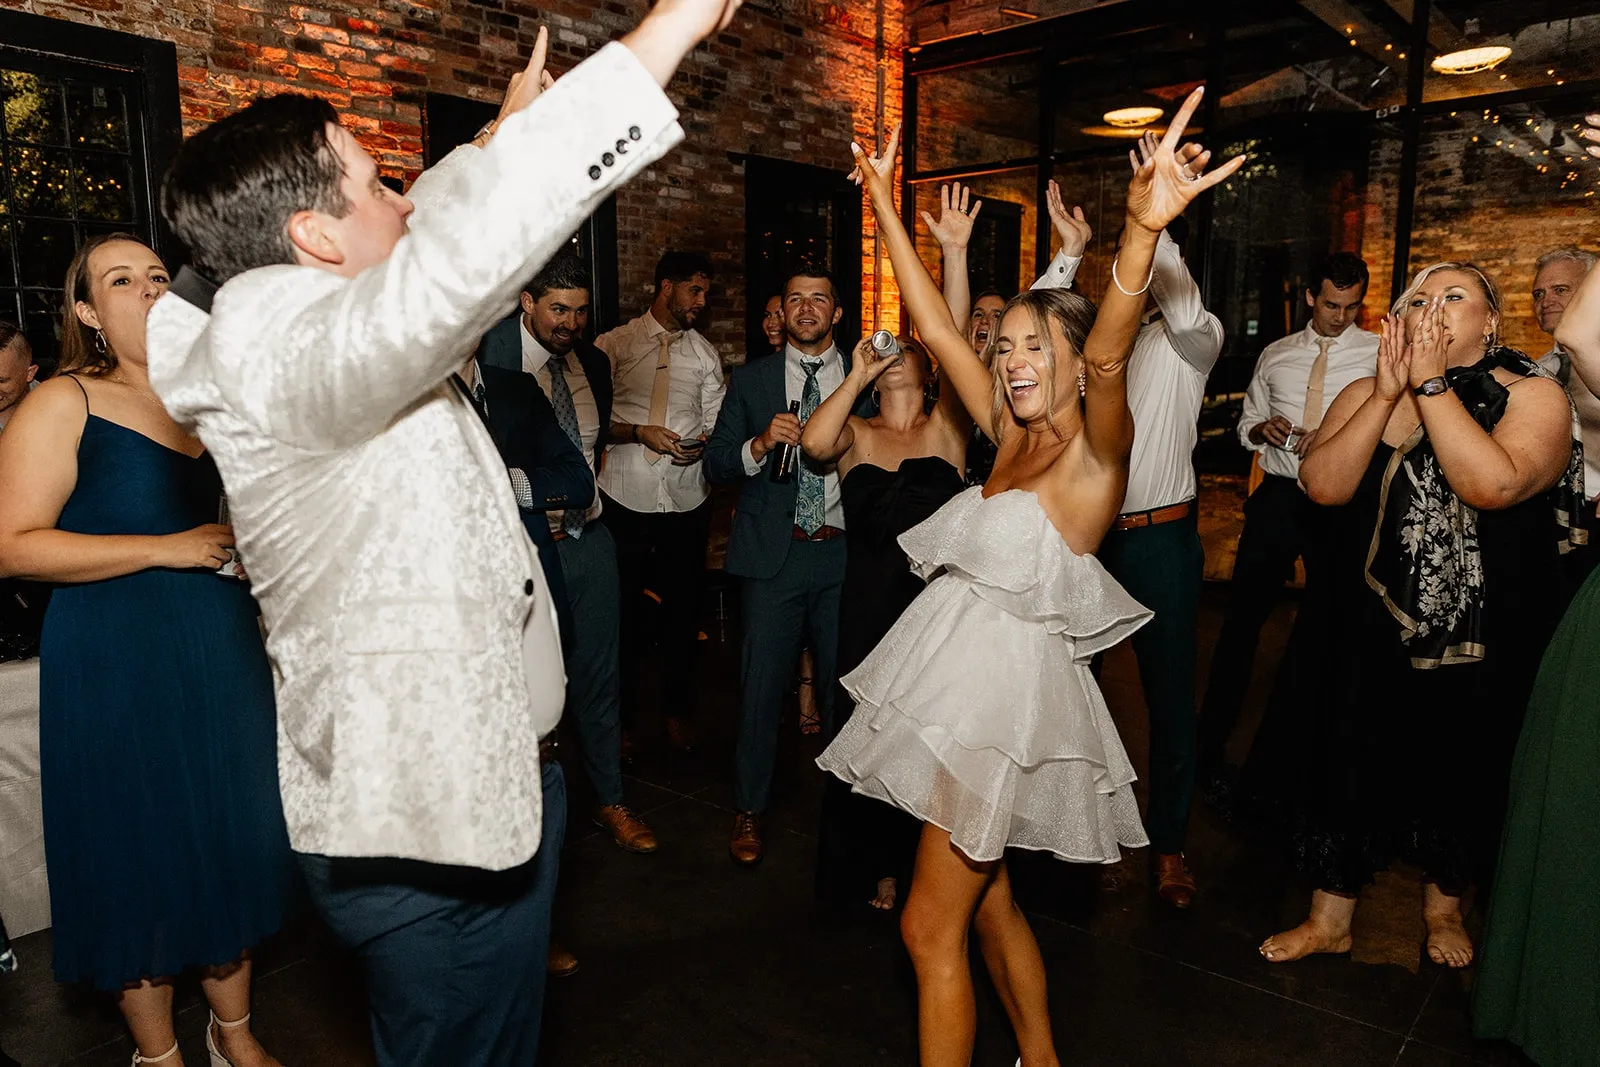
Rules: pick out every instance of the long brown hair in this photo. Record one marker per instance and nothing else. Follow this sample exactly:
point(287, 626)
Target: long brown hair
point(84, 351)
point(1070, 311)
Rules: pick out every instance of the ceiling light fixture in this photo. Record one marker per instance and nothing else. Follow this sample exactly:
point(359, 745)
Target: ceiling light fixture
point(1472, 60)
point(1130, 117)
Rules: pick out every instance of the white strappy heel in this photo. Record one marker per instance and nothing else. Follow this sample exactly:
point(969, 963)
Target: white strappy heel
point(217, 1058)
point(167, 1055)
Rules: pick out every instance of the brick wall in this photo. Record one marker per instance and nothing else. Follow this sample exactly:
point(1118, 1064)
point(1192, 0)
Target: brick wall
point(790, 79)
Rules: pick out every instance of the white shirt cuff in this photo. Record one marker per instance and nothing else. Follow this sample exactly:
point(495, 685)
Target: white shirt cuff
point(752, 466)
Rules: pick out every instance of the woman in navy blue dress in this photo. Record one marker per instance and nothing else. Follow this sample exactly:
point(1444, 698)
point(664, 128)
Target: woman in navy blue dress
point(164, 832)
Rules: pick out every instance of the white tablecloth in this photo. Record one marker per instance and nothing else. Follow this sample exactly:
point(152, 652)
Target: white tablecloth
point(24, 893)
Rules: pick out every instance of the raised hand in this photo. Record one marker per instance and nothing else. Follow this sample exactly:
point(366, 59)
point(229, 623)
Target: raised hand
point(877, 171)
point(1591, 133)
point(954, 228)
point(1166, 176)
point(526, 86)
point(698, 17)
point(867, 364)
point(1429, 343)
point(1394, 360)
point(1074, 229)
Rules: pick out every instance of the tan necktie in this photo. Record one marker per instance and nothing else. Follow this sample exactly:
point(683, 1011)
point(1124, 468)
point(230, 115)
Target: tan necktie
point(658, 391)
point(1311, 417)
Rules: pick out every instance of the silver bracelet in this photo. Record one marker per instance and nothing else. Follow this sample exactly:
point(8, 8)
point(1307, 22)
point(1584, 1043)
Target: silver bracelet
point(1118, 284)
point(488, 129)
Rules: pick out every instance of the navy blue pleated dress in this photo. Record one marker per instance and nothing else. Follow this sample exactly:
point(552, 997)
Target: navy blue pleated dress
point(164, 832)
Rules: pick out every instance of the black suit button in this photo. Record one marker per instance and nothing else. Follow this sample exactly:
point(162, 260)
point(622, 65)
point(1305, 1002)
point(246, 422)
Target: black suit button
point(594, 172)
point(633, 133)
point(608, 159)
point(527, 587)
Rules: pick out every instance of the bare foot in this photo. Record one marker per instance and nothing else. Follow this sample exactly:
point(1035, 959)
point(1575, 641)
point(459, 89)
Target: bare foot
point(1448, 943)
point(887, 890)
point(1307, 938)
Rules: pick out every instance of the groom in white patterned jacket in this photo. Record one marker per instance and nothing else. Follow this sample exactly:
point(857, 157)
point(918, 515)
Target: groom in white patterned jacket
point(413, 640)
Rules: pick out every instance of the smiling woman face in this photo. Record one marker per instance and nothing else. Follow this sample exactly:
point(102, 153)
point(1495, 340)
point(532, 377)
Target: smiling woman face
point(1470, 318)
point(1024, 363)
point(772, 322)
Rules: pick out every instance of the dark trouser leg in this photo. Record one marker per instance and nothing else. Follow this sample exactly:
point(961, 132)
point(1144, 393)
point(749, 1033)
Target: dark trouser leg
point(1271, 541)
point(589, 565)
point(822, 619)
point(681, 565)
point(774, 619)
point(1162, 567)
point(454, 957)
point(629, 529)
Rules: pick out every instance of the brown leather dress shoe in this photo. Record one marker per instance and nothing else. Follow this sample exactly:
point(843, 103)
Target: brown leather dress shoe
point(627, 829)
point(745, 848)
point(560, 963)
point(1174, 883)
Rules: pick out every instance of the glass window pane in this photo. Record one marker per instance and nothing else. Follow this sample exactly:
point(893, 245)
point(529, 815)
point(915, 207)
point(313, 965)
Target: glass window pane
point(104, 187)
point(34, 109)
point(98, 116)
point(1001, 253)
point(1492, 46)
point(44, 337)
point(983, 114)
point(45, 249)
point(41, 181)
point(1109, 94)
point(1501, 192)
point(8, 275)
point(1350, 58)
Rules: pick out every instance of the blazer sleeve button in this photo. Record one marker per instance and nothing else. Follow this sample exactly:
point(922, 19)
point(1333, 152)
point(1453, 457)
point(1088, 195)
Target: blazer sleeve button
point(622, 148)
point(608, 159)
point(527, 587)
point(634, 133)
point(594, 173)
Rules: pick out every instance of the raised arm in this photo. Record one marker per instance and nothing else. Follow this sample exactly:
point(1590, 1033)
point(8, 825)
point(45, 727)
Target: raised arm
point(953, 231)
point(1074, 231)
point(1349, 433)
point(960, 365)
point(1166, 179)
point(1525, 454)
point(1579, 333)
point(367, 349)
point(831, 430)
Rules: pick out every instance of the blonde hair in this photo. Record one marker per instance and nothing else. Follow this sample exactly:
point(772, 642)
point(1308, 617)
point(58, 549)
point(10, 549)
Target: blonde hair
point(1491, 292)
point(1072, 312)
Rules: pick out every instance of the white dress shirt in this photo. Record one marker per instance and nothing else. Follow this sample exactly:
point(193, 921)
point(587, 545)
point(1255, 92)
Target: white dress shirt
point(1172, 356)
point(1282, 375)
point(695, 388)
point(536, 361)
point(412, 636)
point(829, 378)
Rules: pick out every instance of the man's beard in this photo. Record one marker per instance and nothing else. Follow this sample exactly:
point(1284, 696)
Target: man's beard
point(685, 317)
point(558, 348)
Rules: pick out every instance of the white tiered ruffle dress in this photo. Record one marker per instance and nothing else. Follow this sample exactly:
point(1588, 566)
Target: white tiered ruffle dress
point(978, 712)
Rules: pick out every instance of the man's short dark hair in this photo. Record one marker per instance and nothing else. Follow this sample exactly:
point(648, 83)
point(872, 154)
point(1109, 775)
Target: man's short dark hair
point(566, 270)
point(1343, 269)
point(997, 294)
point(809, 270)
point(676, 267)
point(235, 184)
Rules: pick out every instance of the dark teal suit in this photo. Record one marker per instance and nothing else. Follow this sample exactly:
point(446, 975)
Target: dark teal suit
point(791, 588)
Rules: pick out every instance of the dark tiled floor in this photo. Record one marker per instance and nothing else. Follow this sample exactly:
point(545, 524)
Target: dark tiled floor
point(689, 960)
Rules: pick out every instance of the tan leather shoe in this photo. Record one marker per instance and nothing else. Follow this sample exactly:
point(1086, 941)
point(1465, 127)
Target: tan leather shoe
point(745, 847)
point(627, 829)
point(1174, 883)
point(560, 963)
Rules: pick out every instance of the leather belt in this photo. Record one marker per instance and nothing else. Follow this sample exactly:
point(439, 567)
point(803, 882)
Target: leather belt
point(824, 533)
point(1135, 519)
point(549, 748)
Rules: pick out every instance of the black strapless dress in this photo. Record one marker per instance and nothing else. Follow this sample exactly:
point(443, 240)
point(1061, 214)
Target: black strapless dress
point(862, 840)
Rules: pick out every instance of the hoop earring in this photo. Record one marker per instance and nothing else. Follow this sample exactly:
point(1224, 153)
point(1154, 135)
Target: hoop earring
point(877, 400)
point(1083, 383)
point(100, 342)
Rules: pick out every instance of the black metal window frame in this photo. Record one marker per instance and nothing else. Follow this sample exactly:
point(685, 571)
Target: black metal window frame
point(1060, 38)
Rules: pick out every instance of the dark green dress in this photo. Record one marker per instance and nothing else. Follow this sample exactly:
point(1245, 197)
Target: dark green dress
point(1538, 980)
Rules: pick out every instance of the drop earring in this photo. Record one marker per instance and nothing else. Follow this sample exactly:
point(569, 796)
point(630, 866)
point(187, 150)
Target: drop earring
point(1083, 383)
point(100, 342)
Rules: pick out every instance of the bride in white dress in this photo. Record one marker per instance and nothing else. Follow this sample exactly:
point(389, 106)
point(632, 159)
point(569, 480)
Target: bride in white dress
point(977, 713)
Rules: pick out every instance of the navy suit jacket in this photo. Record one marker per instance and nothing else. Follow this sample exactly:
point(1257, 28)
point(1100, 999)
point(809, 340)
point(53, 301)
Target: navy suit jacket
point(502, 347)
point(763, 523)
point(525, 430)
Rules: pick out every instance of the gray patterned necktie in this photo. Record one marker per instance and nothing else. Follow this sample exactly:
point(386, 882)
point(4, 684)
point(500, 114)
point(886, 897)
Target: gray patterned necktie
point(572, 520)
point(811, 509)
